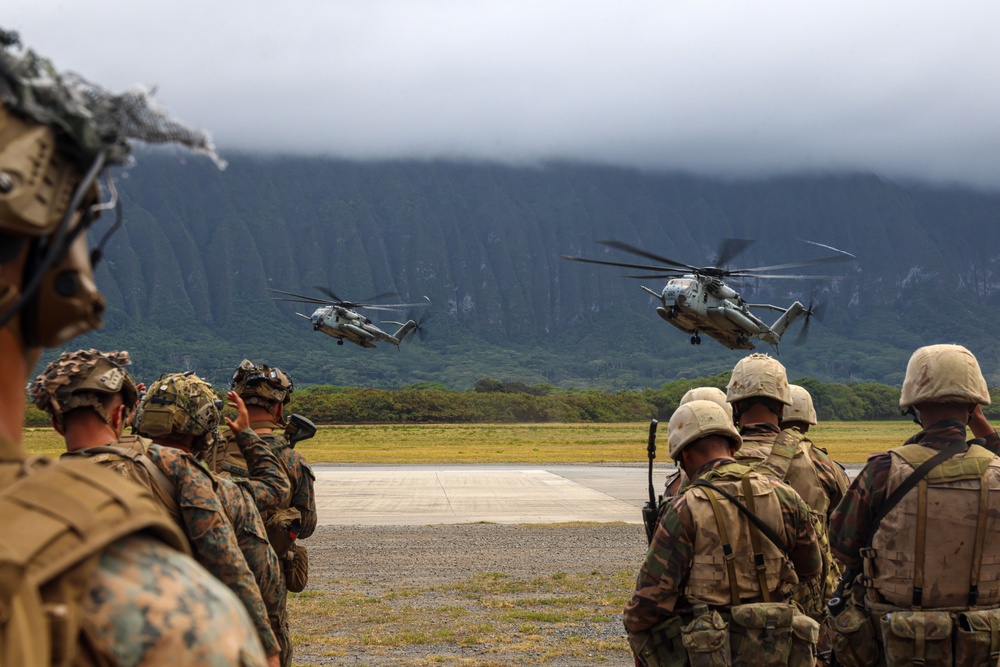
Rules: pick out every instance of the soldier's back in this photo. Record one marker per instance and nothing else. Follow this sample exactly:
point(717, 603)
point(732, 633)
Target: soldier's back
point(98, 575)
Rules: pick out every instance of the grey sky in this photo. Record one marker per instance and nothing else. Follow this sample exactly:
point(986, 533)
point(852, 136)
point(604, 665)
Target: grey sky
point(905, 89)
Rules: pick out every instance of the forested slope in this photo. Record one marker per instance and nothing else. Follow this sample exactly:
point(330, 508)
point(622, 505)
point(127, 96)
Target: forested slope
point(186, 279)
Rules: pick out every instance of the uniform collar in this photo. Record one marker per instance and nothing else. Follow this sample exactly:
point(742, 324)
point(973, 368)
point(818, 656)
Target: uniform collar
point(940, 435)
point(708, 467)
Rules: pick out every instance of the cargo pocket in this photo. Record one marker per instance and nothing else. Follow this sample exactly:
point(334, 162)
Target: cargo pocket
point(706, 640)
point(805, 636)
point(977, 638)
point(660, 646)
point(762, 634)
point(296, 566)
point(852, 636)
point(917, 638)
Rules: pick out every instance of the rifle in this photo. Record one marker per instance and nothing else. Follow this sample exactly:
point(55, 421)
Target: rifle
point(651, 510)
point(299, 428)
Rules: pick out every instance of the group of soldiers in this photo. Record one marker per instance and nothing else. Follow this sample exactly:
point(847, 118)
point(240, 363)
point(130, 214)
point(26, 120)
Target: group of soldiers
point(172, 545)
point(241, 501)
point(765, 554)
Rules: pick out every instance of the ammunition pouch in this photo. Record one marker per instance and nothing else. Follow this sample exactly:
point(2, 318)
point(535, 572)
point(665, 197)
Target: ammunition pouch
point(852, 636)
point(282, 526)
point(977, 637)
point(296, 568)
point(706, 640)
point(762, 634)
point(917, 638)
point(660, 646)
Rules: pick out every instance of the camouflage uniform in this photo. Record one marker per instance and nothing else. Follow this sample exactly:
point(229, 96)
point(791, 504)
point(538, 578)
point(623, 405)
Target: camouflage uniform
point(206, 524)
point(663, 577)
point(266, 486)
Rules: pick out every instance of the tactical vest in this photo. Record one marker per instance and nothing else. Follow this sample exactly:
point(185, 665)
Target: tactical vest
point(55, 521)
point(129, 458)
point(931, 551)
point(720, 528)
point(788, 459)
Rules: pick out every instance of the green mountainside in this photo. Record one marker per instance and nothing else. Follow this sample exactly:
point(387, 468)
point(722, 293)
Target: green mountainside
point(186, 278)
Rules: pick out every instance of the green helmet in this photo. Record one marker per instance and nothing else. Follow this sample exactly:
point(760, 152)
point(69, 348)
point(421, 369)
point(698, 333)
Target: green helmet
point(81, 379)
point(178, 405)
point(262, 385)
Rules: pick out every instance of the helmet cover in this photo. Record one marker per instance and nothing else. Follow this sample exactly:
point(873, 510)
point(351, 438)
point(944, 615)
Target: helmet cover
point(713, 394)
point(758, 375)
point(178, 405)
point(698, 419)
point(943, 374)
point(79, 379)
point(801, 409)
point(262, 385)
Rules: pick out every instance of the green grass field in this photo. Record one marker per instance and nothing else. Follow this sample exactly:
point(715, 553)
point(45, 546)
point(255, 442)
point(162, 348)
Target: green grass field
point(847, 442)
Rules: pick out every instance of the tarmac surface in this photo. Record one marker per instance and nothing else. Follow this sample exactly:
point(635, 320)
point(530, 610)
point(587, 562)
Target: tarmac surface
point(416, 495)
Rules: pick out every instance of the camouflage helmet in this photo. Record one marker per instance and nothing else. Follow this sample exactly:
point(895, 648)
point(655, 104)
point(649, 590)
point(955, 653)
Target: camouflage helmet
point(759, 376)
point(262, 385)
point(178, 405)
point(801, 409)
point(943, 374)
point(698, 419)
point(79, 379)
point(713, 394)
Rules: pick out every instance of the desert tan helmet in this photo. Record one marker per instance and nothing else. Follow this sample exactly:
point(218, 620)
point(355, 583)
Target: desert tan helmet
point(943, 374)
point(178, 405)
point(801, 409)
point(698, 419)
point(82, 379)
point(262, 385)
point(713, 394)
point(759, 376)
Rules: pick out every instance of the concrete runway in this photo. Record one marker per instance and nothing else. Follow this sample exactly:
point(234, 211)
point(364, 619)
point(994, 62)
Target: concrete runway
point(380, 495)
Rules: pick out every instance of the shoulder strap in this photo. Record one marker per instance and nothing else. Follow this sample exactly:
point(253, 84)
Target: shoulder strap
point(168, 492)
point(758, 553)
point(727, 548)
point(784, 449)
point(765, 529)
point(913, 479)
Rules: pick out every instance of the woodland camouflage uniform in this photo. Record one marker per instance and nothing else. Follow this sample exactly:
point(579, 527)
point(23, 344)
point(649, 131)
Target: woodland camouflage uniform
point(688, 589)
point(271, 387)
point(929, 592)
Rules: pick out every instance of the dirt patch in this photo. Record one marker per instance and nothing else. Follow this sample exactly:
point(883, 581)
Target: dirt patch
point(479, 594)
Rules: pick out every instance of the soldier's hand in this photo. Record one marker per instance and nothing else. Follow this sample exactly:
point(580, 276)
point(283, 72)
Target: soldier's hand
point(979, 424)
point(242, 420)
point(274, 660)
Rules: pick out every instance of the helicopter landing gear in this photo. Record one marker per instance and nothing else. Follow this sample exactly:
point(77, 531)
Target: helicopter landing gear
point(696, 339)
point(340, 341)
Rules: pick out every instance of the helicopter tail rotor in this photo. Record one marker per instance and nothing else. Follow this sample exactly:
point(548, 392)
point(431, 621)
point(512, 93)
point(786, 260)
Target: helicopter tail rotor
point(816, 309)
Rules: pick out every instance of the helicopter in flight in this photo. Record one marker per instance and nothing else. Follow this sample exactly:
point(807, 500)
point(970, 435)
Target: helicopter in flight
point(340, 319)
point(698, 301)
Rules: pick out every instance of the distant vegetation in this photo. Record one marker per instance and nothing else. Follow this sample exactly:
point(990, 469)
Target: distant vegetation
point(497, 401)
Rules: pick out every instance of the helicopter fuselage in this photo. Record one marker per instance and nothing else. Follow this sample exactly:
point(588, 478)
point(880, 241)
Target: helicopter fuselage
point(698, 304)
point(346, 324)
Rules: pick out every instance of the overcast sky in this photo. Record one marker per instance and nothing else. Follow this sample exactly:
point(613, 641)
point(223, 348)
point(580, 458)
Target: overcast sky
point(901, 88)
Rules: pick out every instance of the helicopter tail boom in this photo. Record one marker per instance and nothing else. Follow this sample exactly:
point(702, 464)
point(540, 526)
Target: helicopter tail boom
point(781, 325)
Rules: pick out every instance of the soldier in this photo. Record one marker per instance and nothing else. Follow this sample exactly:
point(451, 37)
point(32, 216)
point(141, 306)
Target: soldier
point(165, 415)
point(759, 392)
point(266, 391)
point(92, 570)
point(712, 567)
point(922, 520)
point(801, 414)
point(90, 396)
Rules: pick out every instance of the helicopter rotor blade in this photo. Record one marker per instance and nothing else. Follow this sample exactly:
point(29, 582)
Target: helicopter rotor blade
point(780, 276)
point(841, 256)
point(383, 295)
point(312, 299)
point(730, 248)
point(657, 276)
point(626, 247)
point(329, 293)
point(642, 267)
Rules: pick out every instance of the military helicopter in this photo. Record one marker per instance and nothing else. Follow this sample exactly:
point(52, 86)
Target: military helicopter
point(340, 319)
point(697, 300)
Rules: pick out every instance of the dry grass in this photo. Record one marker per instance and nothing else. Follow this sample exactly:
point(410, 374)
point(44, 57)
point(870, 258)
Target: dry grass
point(847, 442)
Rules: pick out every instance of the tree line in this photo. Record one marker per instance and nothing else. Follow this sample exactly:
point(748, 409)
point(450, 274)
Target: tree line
point(498, 401)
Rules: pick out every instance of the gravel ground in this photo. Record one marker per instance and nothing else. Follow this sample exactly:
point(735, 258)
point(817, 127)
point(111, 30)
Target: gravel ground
point(476, 594)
